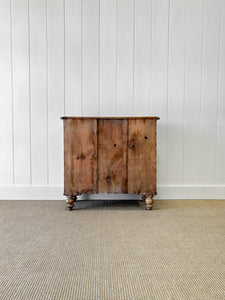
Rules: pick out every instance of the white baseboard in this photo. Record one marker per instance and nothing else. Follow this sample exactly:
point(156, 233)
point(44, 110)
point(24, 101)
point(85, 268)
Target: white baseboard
point(164, 192)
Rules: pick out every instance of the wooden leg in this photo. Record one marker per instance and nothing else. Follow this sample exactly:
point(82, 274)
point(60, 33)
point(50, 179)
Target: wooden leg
point(148, 201)
point(70, 202)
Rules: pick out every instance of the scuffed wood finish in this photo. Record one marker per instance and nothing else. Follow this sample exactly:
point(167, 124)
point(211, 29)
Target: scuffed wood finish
point(80, 156)
point(112, 167)
point(142, 156)
point(70, 202)
point(110, 155)
point(110, 118)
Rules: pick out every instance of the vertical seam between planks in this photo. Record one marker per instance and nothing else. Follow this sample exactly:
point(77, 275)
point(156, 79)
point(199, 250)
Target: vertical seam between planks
point(122, 173)
point(185, 78)
point(219, 85)
point(97, 149)
point(202, 69)
point(12, 91)
point(64, 160)
point(155, 183)
point(47, 90)
point(167, 96)
point(127, 163)
point(95, 168)
point(29, 88)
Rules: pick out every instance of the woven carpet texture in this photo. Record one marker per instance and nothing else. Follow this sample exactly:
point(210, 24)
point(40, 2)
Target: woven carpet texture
point(115, 250)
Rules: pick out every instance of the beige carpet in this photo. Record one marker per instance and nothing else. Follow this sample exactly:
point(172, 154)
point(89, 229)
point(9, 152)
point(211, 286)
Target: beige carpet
point(112, 250)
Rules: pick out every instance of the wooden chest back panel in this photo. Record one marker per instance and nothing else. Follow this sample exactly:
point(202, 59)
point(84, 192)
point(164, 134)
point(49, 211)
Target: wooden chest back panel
point(80, 163)
point(115, 155)
point(112, 151)
point(142, 156)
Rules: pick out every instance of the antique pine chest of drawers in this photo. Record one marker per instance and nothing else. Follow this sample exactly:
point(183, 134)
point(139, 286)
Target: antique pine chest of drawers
point(110, 155)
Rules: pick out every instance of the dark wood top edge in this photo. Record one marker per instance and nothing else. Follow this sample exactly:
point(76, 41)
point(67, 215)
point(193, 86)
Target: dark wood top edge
point(63, 118)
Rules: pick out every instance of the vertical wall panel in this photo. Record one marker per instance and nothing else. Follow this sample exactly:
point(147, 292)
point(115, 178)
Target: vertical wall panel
point(158, 88)
point(142, 56)
point(90, 57)
point(125, 51)
point(21, 89)
point(38, 92)
point(210, 91)
point(6, 133)
point(55, 57)
point(193, 84)
point(176, 81)
point(220, 153)
point(73, 57)
point(108, 59)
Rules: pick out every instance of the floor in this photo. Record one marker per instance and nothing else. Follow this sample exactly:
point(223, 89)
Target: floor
point(112, 250)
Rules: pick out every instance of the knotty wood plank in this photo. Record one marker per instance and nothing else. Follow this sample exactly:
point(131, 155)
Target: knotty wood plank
point(80, 153)
point(142, 156)
point(112, 156)
point(125, 157)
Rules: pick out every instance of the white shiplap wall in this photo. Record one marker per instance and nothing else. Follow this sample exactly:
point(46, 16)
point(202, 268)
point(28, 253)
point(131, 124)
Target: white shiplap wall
point(112, 58)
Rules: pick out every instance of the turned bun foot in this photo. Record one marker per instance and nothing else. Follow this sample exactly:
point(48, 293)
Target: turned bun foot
point(70, 202)
point(149, 203)
point(148, 199)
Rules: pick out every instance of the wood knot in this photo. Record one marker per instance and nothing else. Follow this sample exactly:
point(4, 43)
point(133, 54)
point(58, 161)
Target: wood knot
point(131, 144)
point(82, 156)
point(108, 178)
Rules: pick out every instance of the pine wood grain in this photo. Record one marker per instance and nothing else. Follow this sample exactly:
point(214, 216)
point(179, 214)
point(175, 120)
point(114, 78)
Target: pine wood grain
point(110, 155)
point(112, 160)
point(80, 156)
point(142, 156)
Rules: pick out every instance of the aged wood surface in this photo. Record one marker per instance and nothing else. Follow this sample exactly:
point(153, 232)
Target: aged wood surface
point(110, 118)
point(142, 156)
point(80, 156)
point(112, 156)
